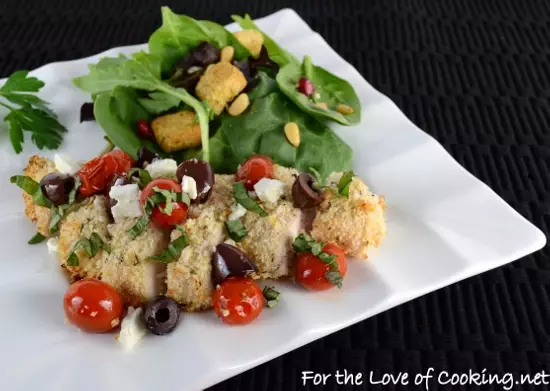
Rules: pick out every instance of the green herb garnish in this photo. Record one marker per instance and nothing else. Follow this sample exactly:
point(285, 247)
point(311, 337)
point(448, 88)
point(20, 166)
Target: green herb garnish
point(31, 113)
point(174, 249)
point(241, 196)
point(142, 176)
point(37, 238)
point(271, 296)
point(236, 229)
point(90, 245)
point(32, 188)
point(305, 243)
point(57, 213)
point(344, 182)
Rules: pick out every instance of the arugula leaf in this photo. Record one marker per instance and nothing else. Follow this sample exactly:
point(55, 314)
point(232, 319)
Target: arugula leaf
point(241, 196)
point(143, 72)
point(236, 229)
point(344, 182)
point(32, 115)
point(332, 90)
point(271, 296)
point(37, 238)
point(276, 53)
point(174, 249)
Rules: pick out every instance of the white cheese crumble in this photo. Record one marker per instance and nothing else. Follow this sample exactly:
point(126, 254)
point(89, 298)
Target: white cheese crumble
point(189, 186)
point(65, 164)
point(165, 168)
point(127, 197)
point(53, 245)
point(269, 190)
point(237, 211)
point(132, 329)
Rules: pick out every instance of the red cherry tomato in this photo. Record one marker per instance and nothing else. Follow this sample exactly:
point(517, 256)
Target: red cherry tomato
point(254, 169)
point(93, 306)
point(310, 270)
point(179, 209)
point(97, 173)
point(238, 301)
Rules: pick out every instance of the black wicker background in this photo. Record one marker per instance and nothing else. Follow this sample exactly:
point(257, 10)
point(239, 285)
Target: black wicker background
point(475, 74)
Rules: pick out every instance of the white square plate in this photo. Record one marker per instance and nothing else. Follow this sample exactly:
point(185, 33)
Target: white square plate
point(444, 225)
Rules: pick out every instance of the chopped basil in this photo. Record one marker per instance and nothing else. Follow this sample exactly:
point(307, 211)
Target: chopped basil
point(305, 243)
point(38, 238)
point(141, 224)
point(174, 249)
point(142, 176)
point(72, 194)
point(32, 188)
point(271, 296)
point(241, 196)
point(57, 213)
point(319, 182)
point(236, 229)
point(343, 184)
point(90, 245)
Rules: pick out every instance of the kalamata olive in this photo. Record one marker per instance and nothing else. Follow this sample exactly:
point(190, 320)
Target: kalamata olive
point(118, 180)
point(161, 315)
point(56, 187)
point(203, 175)
point(303, 194)
point(145, 155)
point(306, 87)
point(229, 261)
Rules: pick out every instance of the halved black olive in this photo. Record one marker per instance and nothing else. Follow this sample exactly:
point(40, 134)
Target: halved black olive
point(229, 261)
point(145, 155)
point(203, 175)
point(56, 187)
point(118, 180)
point(161, 315)
point(303, 194)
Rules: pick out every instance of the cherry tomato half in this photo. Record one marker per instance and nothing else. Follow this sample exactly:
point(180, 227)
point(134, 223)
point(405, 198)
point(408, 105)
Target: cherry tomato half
point(97, 173)
point(254, 169)
point(179, 209)
point(238, 301)
point(93, 306)
point(310, 270)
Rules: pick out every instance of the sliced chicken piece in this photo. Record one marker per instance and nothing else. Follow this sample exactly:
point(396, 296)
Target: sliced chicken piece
point(287, 176)
point(354, 223)
point(128, 268)
point(90, 217)
point(37, 168)
point(189, 279)
point(221, 197)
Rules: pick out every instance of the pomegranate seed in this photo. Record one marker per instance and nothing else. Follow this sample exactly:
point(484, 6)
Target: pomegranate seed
point(144, 130)
point(306, 87)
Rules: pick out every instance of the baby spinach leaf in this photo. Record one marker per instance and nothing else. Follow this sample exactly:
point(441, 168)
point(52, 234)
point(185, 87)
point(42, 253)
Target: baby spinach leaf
point(276, 53)
point(260, 130)
point(331, 89)
point(159, 102)
point(265, 86)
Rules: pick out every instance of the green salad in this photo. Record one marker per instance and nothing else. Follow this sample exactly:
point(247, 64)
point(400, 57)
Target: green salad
point(202, 91)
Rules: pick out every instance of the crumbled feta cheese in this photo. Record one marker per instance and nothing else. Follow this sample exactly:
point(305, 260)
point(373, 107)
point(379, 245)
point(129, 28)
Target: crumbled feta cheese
point(53, 245)
point(65, 164)
point(237, 211)
point(132, 329)
point(127, 197)
point(189, 186)
point(165, 168)
point(269, 190)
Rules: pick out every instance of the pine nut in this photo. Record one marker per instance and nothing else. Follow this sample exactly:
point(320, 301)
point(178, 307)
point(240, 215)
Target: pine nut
point(292, 133)
point(239, 105)
point(321, 105)
point(344, 109)
point(226, 54)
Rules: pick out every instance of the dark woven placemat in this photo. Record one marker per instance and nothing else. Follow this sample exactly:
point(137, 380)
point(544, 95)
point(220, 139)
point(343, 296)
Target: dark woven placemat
point(475, 74)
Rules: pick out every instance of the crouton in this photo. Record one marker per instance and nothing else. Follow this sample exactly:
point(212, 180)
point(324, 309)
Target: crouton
point(128, 268)
point(252, 40)
point(269, 240)
point(189, 279)
point(90, 217)
point(177, 131)
point(220, 84)
point(37, 168)
point(354, 223)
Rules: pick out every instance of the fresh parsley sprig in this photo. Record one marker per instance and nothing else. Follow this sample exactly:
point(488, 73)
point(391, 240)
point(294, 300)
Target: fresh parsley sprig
point(27, 112)
point(306, 244)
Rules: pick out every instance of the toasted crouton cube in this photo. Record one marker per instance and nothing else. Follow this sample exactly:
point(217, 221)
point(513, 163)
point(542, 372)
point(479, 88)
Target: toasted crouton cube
point(355, 223)
point(129, 269)
point(189, 279)
point(220, 84)
point(90, 217)
point(252, 40)
point(177, 131)
point(37, 168)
